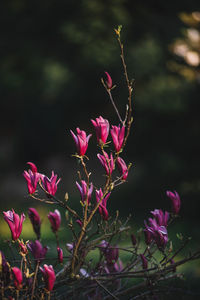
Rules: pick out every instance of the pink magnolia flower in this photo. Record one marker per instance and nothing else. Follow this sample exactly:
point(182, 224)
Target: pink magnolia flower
point(157, 233)
point(107, 163)
point(161, 217)
point(49, 276)
point(32, 180)
point(35, 220)
point(33, 167)
point(117, 134)
point(55, 220)
point(50, 184)
point(109, 80)
point(102, 207)
point(60, 255)
point(17, 274)
point(81, 141)
point(85, 193)
point(123, 169)
point(37, 250)
point(101, 126)
point(176, 201)
point(32, 177)
point(14, 222)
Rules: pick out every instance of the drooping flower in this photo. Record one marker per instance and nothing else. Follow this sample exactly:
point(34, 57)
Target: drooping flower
point(101, 126)
point(176, 201)
point(122, 167)
point(55, 220)
point(107, 163)
point(81, 141)
point(14, 222)
point(109, 80)
point(85, 192)
point(161, 217)
point(50, 184)
point(102, 207)
point(60, 255)
point(49, 276)
point(117, 134)
point(37, 250)
point(17, 274)
point(35, 220)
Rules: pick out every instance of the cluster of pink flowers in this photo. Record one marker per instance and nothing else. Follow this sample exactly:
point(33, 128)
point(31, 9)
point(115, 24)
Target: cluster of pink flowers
point(32, 177)
point(156, 230)
point(102, 128)
point(36, 248)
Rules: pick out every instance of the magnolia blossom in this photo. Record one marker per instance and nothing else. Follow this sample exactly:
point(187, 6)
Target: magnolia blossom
point(81, 141)
point(35, 220)
point(101, 126)
point(14, 222)
point(176, 201)
point(111, 253)
point(17, 274)
point(50, 184)
point(161, 218)
point(60, 255)
point(32, 166)
point(32, 177)
point(109, 80)
point(102, 207)
point(32, 180)
point(49, 276)
point(55, 220)
point(117, 134)
point(123, 169)
point(107, 163)
point(85, 191)
point(37, 250)
point(157, 233)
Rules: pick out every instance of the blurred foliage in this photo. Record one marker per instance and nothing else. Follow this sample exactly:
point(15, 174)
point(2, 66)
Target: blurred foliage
point(52, 56)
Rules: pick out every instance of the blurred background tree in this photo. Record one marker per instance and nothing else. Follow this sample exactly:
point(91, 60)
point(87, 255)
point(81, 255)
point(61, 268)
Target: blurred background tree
point(52, 56)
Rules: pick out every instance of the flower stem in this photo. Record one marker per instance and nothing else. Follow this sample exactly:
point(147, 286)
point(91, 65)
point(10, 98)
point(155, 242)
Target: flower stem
point(34, 280)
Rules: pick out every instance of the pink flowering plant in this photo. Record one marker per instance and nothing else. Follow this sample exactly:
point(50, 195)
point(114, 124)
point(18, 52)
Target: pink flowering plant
point(71, 273)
